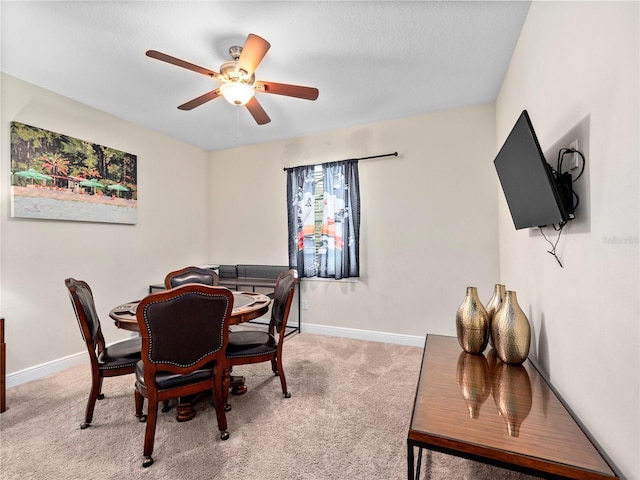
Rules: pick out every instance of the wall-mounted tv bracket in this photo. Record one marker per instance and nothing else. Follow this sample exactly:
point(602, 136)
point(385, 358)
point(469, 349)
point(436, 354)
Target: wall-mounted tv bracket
point(568, 197)
point(564, 182)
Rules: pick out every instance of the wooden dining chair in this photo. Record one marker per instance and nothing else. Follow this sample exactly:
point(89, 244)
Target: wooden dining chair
point(106, 361)
point(206, 276)
point(256, 346)
point(184, 331)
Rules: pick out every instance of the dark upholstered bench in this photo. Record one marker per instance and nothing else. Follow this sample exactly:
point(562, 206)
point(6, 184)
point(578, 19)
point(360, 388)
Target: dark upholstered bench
point(254, 276)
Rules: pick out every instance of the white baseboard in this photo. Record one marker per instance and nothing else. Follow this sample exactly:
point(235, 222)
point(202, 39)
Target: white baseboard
point(48, 368)
point(45, 369)
point(356, 334)
point(55, 366)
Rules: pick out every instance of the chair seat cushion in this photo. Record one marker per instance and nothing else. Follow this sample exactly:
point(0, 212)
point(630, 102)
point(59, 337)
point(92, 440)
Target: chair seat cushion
point(166, 380)
point(247, 343)
point(121, 354)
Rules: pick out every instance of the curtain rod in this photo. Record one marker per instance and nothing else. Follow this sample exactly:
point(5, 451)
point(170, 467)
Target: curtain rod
point(394, 154)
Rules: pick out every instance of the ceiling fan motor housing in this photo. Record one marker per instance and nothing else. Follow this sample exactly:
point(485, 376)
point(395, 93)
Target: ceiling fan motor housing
point(229, 74)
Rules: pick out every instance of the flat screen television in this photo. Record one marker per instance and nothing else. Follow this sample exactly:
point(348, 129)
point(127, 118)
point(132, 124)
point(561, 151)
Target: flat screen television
point(535, 193)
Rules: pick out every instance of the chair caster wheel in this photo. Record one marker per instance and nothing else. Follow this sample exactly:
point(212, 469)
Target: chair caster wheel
point(84, 425)
point(142, 418)
point(287, 395)
point(227, 408)
point(224, 435)
point(100, 396)
point(148, 461)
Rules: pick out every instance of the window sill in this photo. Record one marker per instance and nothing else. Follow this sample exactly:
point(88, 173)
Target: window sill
point(320, 279)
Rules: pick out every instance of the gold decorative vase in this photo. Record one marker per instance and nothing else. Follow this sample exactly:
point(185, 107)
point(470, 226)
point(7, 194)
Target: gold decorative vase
point(512, 395)
point(494, 305)
point(511, 331)
point(474, 381)
point(472, 324)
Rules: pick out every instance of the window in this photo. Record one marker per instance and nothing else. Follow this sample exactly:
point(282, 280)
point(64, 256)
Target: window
point(324, 219)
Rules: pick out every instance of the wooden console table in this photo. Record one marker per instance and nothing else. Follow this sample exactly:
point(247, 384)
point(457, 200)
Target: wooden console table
point(476, 407)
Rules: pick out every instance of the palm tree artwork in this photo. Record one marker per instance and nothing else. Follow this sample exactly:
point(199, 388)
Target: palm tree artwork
point(52, 172)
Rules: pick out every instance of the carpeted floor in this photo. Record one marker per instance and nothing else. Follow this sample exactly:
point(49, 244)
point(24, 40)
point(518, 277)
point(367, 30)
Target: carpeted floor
point(347, 419)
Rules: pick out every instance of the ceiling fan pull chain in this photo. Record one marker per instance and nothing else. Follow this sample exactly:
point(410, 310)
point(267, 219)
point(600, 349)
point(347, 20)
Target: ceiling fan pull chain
point(238, 123)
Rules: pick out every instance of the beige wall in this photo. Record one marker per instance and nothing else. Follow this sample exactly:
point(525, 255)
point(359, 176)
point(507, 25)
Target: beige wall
point(118, 261)
point(574, 61)
point(577, 61)
point(429, 224)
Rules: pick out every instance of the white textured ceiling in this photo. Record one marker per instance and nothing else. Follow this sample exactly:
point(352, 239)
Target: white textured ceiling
point(372, 61)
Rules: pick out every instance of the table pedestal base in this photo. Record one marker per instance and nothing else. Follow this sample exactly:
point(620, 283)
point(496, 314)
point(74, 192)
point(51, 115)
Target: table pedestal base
point(185, 410)
point(237, 386)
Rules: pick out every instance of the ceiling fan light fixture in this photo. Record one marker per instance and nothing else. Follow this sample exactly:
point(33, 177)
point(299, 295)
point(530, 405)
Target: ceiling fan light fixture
point(237, 93)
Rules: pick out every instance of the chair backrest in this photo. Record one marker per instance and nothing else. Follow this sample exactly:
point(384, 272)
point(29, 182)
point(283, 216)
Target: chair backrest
point(85, 310)
point(205, 276)
point(184, 328)
point(282, 298)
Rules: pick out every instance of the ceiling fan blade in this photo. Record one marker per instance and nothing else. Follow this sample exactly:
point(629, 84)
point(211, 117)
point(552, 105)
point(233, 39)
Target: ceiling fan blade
point(181, 63)
point(307, 93)
point(254, 50)
point(257, 112)
point(196, 102)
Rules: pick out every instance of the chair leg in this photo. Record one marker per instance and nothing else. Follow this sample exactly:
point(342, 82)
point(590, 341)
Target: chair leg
point(225, 389)
point(139, 401)
point(94, 394)
point(100, 394)
point(220, 383)
point(283, 380)
point(150, 431)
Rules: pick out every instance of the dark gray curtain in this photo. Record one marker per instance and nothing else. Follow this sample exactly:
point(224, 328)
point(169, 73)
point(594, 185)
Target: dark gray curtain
point(338, 255)
point(300, 201)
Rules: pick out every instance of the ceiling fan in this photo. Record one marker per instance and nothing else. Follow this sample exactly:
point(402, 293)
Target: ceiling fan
point(237, 77)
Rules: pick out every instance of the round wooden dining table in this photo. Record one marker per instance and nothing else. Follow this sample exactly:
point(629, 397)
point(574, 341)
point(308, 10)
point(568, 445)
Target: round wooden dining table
point(246, 306)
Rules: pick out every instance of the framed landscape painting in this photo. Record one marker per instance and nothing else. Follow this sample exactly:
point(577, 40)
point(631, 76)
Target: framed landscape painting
point(57, 177)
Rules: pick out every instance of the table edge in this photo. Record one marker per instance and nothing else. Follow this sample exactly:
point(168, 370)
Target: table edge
point(448, 445)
